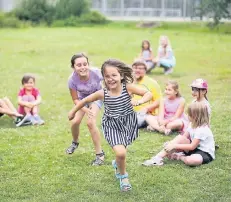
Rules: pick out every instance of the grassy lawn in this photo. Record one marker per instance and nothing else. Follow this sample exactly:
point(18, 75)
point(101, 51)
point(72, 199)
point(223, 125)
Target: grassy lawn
point(33, 163)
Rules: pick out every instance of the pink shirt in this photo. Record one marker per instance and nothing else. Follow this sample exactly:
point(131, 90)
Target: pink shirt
point(35, 92)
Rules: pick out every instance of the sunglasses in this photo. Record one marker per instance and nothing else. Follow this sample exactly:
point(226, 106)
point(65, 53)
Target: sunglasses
point(195, 89)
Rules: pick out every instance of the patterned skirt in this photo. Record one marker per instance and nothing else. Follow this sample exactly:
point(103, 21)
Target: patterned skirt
point(122, 130)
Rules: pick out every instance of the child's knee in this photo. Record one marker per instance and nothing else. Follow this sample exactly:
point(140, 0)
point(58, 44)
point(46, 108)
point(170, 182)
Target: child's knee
point(91, 123)
point(191, 161)
point(75, 122)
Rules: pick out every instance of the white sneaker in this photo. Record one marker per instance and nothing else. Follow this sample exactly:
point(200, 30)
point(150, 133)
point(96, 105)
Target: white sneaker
point(154, 161)
point(27, 118)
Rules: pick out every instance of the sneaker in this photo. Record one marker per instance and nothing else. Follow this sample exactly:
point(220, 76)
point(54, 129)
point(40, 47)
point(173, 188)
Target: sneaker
point(26, 119)
point(98, 161)
point(72, 148)
point(38, 120)
point(154, 161)
point(168, 71)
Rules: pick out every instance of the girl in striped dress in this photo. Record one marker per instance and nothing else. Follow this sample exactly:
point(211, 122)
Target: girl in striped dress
point(119, 122)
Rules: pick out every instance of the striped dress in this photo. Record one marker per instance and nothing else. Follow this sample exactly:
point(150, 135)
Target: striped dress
point(119, 122)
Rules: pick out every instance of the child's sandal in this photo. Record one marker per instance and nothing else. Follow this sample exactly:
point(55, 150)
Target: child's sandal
point(124, 186)
point(114, 165)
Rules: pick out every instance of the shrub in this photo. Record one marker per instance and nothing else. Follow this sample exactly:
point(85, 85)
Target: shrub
point(35, 11)
point(93, 17)
point(67, 8)
point(9, 21)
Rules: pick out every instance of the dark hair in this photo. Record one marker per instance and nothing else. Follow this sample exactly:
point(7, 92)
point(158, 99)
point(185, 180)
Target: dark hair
point(139, 63)
point(124, 70)
point(27, 77)
point(200, 93)
point(146, 41)
point(78, 55)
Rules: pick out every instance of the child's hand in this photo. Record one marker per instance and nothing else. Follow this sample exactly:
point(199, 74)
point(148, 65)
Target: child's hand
point(169, 147)
point(30, 105)
point(71, 115)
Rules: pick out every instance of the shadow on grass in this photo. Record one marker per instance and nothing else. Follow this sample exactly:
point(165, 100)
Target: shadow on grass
point(7, 122)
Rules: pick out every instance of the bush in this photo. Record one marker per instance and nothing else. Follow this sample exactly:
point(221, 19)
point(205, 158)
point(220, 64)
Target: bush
point(35, 11)
point(93, 17)
point(9, 21)
point(67, 8)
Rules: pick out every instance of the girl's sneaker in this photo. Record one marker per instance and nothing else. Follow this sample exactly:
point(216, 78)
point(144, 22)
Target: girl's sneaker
point(38, 120)
point(154, 161)
point(26, 120)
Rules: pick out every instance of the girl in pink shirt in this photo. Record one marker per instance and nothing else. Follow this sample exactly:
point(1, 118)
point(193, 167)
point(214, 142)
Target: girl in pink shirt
point(171, 111)
point(28, 99)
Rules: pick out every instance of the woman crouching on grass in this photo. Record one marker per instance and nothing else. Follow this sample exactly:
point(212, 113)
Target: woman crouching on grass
point(197, 143)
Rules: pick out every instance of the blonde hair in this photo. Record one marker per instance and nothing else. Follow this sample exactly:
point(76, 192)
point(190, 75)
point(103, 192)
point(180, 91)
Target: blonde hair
point(165, 38)
point(175, 87)
point(198, 113)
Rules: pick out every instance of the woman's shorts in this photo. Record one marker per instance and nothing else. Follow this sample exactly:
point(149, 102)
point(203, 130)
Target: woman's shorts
point(207, 158)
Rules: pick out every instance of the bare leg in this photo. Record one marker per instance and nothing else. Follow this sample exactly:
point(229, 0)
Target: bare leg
point(75, 125)
point(174, 125)
point(152, 121)
point(95, 134)
point(11, 106)
point(5, 109)
point(192, 160)
point(120, 152)
point(35, 110)
point(180, 139)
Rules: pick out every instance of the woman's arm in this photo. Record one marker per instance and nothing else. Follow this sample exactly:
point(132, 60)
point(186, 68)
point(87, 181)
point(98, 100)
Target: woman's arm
point(146, 95)
point(161, 112)
point(98, 95)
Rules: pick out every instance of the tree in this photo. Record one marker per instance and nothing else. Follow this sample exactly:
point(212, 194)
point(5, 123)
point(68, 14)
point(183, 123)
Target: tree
point(216, 9)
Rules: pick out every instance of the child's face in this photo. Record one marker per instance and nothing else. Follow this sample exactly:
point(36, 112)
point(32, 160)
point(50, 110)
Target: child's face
point(145, 45)
point(139, 71)
point(163, 42)
point(198, 93)
point(81, 66)
point(29, 85)
point(170, 92)
point(112, 77)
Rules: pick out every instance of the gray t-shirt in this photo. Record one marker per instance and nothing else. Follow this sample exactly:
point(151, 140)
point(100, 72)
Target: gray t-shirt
point(85, 88)
point(205, 135)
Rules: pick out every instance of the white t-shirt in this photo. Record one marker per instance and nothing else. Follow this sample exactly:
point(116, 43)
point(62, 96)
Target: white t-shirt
point(205, 135)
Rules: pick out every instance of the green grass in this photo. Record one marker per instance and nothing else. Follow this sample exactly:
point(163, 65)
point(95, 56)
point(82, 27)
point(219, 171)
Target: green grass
point(33, 163)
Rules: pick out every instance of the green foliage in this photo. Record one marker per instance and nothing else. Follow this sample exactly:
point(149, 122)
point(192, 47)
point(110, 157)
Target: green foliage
point(35, 11)
point(67, 8)
point(216, 9)
point(9, 21)
point(93, 17)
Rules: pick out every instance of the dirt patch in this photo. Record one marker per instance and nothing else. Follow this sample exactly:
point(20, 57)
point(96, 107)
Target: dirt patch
point(148, 24)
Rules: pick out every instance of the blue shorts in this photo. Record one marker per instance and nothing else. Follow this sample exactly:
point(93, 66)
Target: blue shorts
point(99, 103)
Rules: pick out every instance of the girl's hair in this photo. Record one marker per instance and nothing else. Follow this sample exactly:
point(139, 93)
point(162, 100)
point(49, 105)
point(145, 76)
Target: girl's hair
point(124, 70)
point(78, 55)
point(149, 46)
point(175, 87)
point(26, 78)
point(165, 38)
point(200, 89)
point(198, 113)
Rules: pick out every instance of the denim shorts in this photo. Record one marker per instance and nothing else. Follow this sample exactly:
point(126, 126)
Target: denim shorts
point(99, 103)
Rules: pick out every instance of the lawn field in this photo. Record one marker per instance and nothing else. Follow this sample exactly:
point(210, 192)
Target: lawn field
point(33, 163)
